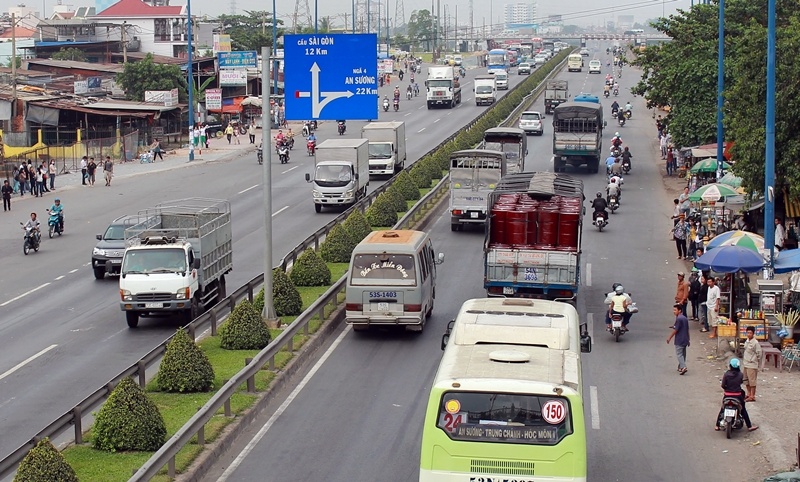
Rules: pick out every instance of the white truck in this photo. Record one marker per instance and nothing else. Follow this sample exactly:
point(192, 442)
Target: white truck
point(474, 173)
point(443, 87)
point(387, 146)
point(176, 260)
point(341, 172)
point(485, 89)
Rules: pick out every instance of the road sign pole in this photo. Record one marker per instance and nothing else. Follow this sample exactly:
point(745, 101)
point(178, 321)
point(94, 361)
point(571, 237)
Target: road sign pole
point(190, 84)
point(769, 171)
point(266, 151)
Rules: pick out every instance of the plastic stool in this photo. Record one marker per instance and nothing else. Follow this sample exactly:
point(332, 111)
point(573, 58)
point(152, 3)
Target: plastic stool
point(776, 355)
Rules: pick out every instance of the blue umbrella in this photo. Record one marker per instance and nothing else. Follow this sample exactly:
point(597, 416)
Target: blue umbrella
point(786, 261)
point(730, 259)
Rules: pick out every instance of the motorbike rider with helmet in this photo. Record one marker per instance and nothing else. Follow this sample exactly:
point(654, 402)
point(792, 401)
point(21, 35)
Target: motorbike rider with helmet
point(396, 92)
point(621, 117)
point(599, 205)
point(626, 156)
point(616, 141)
point(629, 108)
point(732, 387)
point(58, 209)
point(614, 108)
point(618, 290)
point(610, 160)
point(613, 188)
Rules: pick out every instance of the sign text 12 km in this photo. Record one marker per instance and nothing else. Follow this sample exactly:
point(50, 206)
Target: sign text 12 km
point(331, 76)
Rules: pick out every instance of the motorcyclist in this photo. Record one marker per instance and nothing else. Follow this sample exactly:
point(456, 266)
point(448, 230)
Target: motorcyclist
point(397, 92)
point(629, 107)
point(280, 138)
point(409, 90)
point(385, 101)
point(609, 163)
point(616, 141)
point(58, 209)
point(312, 138)
point(616, 169)
point(618, 290)
point(626, 156)
point(614, 107)
point(416, 88)
point(732, 387)
point(606, 90)
point(621, 116)
point(599, 205)
point(412, 77)
point(613, 188)
point(33, 224)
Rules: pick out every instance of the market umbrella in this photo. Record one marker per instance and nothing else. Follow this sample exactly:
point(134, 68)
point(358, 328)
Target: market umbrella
point(707, 166)
point(745, 239)
point(712, 192)
point(787, 260)
point(730, 180)
point(254, 101)
point(730, 259)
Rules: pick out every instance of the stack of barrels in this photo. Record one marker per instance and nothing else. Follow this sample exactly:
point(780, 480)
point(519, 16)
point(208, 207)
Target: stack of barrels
point(519, 221)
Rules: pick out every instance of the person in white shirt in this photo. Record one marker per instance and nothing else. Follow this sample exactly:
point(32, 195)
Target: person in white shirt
point(712, 304)
point(780, 235)
point(84, 163)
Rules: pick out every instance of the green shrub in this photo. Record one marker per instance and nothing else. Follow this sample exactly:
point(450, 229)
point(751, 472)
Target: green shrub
point(185, 367)
point(44, 463)
point(406, 186)
point(285, 296)
point(397, 199)
point(310, 270)
point(432, 167)
point(382, 214)
point(338, 246)
point(258, 301)
point(419, 174)
point(245, 329)
point(356, 224)
point(128, 421)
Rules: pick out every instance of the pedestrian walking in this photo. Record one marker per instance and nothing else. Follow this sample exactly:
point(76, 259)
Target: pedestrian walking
point(15, 177)
point(712, 305)
point(52, 174)
point(236, 134)
point(670, 162)
point(694, 294)
point(157, 150)
point(23, 179)
point(679, 232)
point(680, 332)
point(780, 235)
point(7, 190)
point(682, 292)
point(91, 169)
point(196, 136)
point(662, 139)
point(251, 131)
point(203, 135)
point(84, 166)
point(750, 362)
point(229, 132)
point(108, 170)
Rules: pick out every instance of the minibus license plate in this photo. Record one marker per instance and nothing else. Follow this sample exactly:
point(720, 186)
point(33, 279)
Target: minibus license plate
point(729, 412)
point(383, 306)
point(508, 290)
point(154, 305)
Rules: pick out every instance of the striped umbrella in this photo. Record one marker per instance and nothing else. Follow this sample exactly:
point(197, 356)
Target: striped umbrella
point(712, 192)
point(708, 166)
point(745, 239)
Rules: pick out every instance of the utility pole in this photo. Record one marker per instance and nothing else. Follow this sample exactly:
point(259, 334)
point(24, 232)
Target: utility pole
point(190, 84)
point(124, 43)
point(13, 63)
point(266, 179)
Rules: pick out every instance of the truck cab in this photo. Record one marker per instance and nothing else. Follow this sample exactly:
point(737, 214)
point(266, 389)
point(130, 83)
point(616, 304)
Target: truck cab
point(341, 173)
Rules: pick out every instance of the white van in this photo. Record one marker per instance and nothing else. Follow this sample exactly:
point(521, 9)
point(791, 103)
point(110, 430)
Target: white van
point(575, 63)
point(500, 78)
point(391, 280)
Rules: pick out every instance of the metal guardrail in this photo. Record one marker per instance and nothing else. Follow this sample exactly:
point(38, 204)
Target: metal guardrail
point(74, 417)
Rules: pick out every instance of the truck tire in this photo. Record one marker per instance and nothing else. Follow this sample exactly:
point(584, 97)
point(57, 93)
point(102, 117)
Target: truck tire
point(193, 311)
point(455, 227)
point(429, 106)
point(318, 208)
point(99, 272)
point(222, 289)
point(132, 318)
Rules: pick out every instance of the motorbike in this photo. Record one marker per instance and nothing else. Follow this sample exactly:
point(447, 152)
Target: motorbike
point(616, 151)
point(408, 94)
point(613, 203)
point(260, 155)
point(290, 141)
point(309, 127)
point(599, 220)
point(628, 114)
point(386, 105)
point(311, 147)
point(731, 413)
point(621, 122)
point(342, 128)
point(626, 166)
point(616, 326)
point(606, 93)
point(616, 92)
point(283, 153)
point(30, 241)
point(396, 105)
point(55, 223)
point(614, 112)
point(619, 75)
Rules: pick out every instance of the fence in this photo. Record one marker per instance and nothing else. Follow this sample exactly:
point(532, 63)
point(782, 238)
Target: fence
point(195, 426)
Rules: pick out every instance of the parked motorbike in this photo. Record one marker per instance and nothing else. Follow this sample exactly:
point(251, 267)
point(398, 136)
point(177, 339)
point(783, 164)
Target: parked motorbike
point(599, 220)
point(616, 326)
point(731, 414)
point(342, 128)
point(283, 153)
point(386, 105)
point(396, 105)
point(613, 203)
point(626, 166)
point(311, 147)
point(55, 223)
point(31, 240)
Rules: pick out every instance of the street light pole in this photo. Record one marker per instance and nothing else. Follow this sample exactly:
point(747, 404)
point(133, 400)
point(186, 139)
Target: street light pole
point(274, 67)
point(769, 171)
point(266, 179)
point(190, 78)
point(720, 88)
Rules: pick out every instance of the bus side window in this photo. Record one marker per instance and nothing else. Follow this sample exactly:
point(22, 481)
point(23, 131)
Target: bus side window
point(423, 264)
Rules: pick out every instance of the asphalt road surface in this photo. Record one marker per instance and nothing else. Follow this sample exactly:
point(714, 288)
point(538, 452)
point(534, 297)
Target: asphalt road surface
point(358, 415)
point(63, 333)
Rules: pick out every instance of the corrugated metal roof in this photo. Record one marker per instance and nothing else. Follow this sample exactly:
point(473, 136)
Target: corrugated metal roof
point(74, 64)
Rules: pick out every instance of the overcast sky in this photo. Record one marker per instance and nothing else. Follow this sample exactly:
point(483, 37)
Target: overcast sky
point(579, 12)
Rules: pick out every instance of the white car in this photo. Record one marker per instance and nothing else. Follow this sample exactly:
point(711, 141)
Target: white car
point(595, 67)
point(584, 52)
point(531, 122)
point(524, 68)
point(540, 59)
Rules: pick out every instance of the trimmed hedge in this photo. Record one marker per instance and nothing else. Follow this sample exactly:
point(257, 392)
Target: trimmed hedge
point(397, 198)
point(285, 295)
point(406, 186)
point(357, 226)
point(185, 367)
point(128, 421)
point(245, 329)
point(420, 176)
point(338, 246)
point(44, 463)
point(310, 270)
point(382, 214)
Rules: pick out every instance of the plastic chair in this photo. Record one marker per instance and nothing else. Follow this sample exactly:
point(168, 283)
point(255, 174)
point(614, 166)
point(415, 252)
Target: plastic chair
point(791, 354)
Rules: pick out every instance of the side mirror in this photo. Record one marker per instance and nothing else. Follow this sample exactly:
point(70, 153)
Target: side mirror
point(308, 177)
point(99, 237)
point(196, 263)
point(605, 123)
point(586, 344)
point(446, 336)
point(440, 258)
point(355, 176)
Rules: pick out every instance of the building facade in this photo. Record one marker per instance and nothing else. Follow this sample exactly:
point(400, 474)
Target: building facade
point(519, 14)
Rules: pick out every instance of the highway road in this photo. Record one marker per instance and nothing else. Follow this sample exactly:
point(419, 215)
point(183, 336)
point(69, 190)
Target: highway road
point(358, 414)
point(63, 333)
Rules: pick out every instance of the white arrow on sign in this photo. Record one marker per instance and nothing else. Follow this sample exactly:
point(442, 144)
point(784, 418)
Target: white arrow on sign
point(320, 99)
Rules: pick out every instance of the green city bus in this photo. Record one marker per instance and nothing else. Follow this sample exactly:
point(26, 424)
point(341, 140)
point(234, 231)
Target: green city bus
point(507, 402)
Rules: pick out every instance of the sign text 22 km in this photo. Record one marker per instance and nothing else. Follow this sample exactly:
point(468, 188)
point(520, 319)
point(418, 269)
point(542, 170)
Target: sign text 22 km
point(331, 76)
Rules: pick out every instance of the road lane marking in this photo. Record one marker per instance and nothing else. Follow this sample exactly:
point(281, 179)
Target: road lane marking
point(588, 274)
point(595, 408)
point(280, 211)
point(24, 294)
point(268, 425)
point(408, 114)
point(437, 120)
point(60, 277)
point(249, 188)
point(26, 361)
point(74, 271)
point(421, 130)
point(290, 169)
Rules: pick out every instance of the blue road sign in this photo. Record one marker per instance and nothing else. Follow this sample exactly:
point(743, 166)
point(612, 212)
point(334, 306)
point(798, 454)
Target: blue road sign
point(331, 76)
point(245, 59)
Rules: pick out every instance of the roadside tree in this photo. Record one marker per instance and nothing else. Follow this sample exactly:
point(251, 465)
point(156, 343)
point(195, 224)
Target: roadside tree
point(137, 77)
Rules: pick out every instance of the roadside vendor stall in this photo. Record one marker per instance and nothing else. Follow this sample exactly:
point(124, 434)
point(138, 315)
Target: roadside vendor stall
point(714, 216)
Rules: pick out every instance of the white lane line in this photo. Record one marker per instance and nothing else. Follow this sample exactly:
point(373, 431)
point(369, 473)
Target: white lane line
point(26, 361)
point(290, 169)
point(60, 277)
point(249, 188)
point(437, 120)
point(24, 294)
point(268, 425)
point(408, 114)
point(74, 271)
point(588, 274)
point(467, 99)
point(595, 407)
point(421, 130)
point(280, 211)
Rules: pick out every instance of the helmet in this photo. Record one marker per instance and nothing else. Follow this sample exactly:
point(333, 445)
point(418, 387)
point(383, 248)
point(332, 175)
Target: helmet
point(734, 363)
point(616, 134)
point(619, 290)
point(614, 286)
point(599, 194)
point(613, 179)
point(58, 200)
